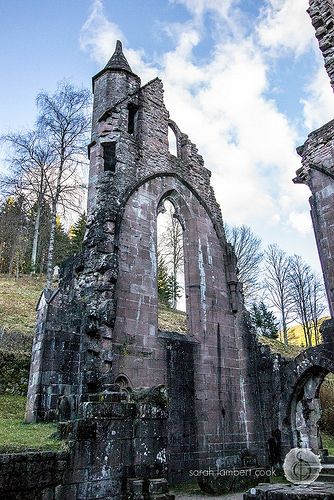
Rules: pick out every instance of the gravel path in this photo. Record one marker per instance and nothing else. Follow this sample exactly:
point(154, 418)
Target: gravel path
point(195, 496)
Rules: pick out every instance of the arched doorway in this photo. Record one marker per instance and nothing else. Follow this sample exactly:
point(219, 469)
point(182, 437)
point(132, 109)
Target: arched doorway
point(306, 411)
point(311, 404)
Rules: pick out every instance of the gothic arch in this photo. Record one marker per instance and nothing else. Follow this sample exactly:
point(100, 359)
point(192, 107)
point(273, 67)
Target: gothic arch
point(177, 133)
point(305, 376)
point(127, 195)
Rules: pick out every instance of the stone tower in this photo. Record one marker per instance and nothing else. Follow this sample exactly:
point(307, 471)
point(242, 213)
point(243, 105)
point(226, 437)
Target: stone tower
point(99, 329)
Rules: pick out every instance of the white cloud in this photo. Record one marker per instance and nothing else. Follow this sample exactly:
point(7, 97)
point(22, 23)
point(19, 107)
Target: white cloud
point(301, 222)
point(198, 7)
point(224, 107)
point(318, 107)
point(98, 37)
point(286, 25)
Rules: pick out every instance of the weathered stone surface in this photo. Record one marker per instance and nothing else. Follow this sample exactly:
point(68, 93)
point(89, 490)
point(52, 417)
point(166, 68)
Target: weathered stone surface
point(317, 173)
point(32, 475)
point(135, 402)
point(322, 16)
point(286, 492)
point(101, 325)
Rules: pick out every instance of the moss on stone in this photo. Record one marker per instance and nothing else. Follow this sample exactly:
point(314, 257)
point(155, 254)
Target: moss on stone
point(17, 436)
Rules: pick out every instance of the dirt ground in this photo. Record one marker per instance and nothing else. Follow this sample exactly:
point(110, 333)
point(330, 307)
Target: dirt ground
point(199, 496)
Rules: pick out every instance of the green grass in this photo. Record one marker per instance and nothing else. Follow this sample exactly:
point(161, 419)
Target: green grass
point(172, 320)
point(328, 442)
point(17, 436)
point(18, 300)
point(290, 351)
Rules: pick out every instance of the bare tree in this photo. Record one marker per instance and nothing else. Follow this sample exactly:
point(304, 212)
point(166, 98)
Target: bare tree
point(307, 298)
point(30, 170)
point(65, 120)
point(318, 307)
point(170, 248)
point(247, 247)
point(277, 266)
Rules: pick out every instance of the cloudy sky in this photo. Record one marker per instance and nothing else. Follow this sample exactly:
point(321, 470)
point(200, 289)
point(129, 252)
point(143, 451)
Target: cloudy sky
point(243, 78)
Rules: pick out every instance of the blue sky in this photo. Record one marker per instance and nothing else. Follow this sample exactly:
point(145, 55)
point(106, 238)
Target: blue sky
point(243, 78)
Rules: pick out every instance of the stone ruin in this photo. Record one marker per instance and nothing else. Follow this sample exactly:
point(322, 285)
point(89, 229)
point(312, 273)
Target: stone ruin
point(317, 154)
point(141, 407)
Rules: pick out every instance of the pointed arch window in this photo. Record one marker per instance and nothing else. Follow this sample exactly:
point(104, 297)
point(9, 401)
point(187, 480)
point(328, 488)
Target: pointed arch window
point(172, 141)
point(170, 263)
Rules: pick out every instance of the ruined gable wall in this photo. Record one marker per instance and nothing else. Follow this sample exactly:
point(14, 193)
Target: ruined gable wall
point(318, 173)
point(317, 155)
point(223, 379)
point(115, 302)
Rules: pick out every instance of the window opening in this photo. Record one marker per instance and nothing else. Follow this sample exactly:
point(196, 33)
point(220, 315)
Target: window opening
point(172, 141)
point(132, 118)
point(109, 156)
point(170, 273)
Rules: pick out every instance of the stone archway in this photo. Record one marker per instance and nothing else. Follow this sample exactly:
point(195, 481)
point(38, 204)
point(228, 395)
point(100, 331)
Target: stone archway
point(303, 409)
point(306, 411)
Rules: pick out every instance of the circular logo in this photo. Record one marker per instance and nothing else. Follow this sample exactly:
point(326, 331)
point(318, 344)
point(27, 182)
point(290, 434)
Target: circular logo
point(301, 466)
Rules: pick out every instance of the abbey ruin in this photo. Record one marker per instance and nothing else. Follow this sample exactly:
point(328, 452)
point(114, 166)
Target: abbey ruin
point(141, 407)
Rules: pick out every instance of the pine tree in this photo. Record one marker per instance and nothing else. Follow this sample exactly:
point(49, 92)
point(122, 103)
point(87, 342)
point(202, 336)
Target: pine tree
point(77, 233)
point(165, 289)
point(62, 248)
point(264, 320)
point(13, 236)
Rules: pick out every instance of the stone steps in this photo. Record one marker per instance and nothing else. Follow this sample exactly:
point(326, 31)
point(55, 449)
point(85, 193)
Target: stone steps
point(327, 472)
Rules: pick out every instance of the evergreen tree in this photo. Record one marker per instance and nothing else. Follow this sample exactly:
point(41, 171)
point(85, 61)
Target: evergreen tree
point(63, 247)
point(13, 236)
point(264, 320)
point(174, 289)
point(78, 233)
point(165, 290)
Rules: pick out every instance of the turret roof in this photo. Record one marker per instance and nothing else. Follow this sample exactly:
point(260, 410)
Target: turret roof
point(118, 60)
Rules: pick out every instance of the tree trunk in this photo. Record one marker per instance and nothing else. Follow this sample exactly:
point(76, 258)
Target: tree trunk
point(49, 262)
point(35, 241)
point(285, 329)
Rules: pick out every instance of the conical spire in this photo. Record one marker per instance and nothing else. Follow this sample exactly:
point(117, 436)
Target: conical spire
point(118, 60)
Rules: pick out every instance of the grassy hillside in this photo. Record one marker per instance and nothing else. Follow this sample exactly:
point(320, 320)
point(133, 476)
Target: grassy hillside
point(18, 300)
point(290, 351)
point(173, 321)
point(296, 335)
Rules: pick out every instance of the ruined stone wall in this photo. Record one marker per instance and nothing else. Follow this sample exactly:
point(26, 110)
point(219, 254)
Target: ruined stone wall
point(322, 16)
point(56, 352)
point(32, 475)
point(317, 155)
point(117, 450)
point(317, 173)
point(101, 326)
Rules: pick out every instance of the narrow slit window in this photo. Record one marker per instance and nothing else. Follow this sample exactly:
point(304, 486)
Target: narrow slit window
point(132, 117)
point(172, 141)
point(109, 156)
